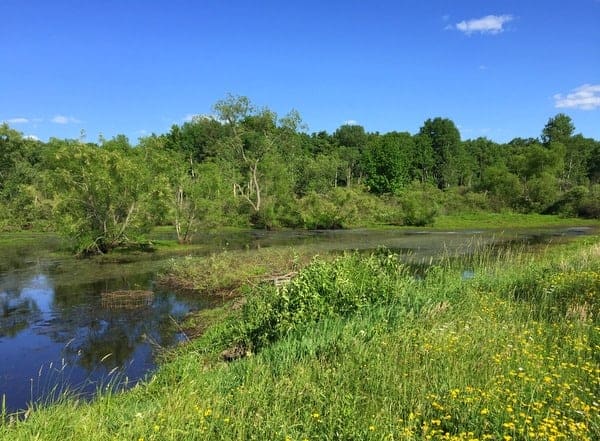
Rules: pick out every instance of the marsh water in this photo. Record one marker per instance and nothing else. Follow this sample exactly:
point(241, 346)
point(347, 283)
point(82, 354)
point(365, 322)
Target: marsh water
point(56, 334)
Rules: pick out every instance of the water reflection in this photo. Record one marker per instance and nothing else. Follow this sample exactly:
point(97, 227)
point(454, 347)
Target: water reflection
point(58, 336)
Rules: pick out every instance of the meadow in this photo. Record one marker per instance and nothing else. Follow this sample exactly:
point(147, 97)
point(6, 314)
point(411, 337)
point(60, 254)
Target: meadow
point(502, 345)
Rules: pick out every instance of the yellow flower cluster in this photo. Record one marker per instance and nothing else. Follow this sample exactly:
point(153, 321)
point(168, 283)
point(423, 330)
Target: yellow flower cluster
point(545, 386)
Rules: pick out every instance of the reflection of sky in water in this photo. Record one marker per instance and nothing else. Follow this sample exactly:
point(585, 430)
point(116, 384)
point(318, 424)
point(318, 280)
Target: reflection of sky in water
point(52, 337)
point(39, 290)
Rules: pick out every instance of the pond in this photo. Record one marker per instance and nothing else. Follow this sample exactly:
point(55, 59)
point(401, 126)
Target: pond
point(57, 334)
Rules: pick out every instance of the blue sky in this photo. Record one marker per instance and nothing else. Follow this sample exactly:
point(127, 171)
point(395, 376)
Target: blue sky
point(496, 68)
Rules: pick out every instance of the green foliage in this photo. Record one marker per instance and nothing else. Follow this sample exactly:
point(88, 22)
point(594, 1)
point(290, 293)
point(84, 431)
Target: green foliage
point(320, 212)
point(457, 200)
point(244, 166)
point(387, 162)
point(197, 138)
point(579, 201)
point(422, 159)
point(323, 289)
point(22, 201)
point(101, 197)
point(318, 174)
point(482, 153)
point(540, 192)
point(351, 135)
point(589, 206)
point(344, 207)
point(504, 187)
point(419, 206)
point(560, 128)
point(578, 157)
point(448, 152)
point(594, 163)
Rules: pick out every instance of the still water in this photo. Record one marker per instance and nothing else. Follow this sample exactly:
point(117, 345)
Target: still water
point(57, 335)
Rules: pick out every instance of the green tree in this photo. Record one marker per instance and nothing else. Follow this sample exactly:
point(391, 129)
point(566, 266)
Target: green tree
point(351, 140)
point(447, 150)
point(199, 195)
point(482, 153)
point(593, 164)
point(560, 128)
point(197, 138)
point(101, 196)
point(318, 174)
point(250, 139)
point(504, 187)
point(22, 200)
point(262, 157)
point(387, 162)
point(422, 160)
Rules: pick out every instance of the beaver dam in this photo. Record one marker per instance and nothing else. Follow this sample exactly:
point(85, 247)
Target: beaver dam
point(127, 299)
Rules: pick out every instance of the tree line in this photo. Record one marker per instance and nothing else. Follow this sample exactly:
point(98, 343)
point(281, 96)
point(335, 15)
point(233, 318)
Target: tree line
point(245, 166)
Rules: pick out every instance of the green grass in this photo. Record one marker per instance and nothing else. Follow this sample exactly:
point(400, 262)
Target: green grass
point(23, 238)
point(230, 270)
point(357, 348)
point(507, 220)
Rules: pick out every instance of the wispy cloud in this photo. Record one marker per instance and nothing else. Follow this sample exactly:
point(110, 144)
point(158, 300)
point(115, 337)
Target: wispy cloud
point(17, 120)
point(586, 97)
point(490, 24)
point(351, 122)
point(32, 137)
point(61, 119)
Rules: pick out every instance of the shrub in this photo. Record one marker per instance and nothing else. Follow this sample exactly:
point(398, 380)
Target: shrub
point(589, 205)
point(323, 289)
point(341, 207)
point(419, 204)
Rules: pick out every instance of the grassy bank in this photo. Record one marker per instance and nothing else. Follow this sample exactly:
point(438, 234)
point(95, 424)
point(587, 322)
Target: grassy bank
point(507, 220)
point(228, 271)
point(358, 348)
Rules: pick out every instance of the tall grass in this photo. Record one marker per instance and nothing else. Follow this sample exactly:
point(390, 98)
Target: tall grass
point(230, 270)
point(358, 348)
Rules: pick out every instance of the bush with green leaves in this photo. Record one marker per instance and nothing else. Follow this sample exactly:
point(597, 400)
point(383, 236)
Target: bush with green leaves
point(589, 205)
point(419, 204)
point(340, 288)
point(103, 198)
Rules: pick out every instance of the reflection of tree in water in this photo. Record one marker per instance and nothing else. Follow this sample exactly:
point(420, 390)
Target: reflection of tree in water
point(107, 344)
point(97, 337)
point(16, 313)
point(15, 258)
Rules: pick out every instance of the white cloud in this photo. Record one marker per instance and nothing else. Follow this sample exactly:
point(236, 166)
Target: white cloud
point(351, 122)
point(586, 97)
point(17, 121)
point(490, 24)
point(32, 137)
point(61, 119)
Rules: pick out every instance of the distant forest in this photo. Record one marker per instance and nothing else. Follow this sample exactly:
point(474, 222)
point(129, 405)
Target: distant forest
point(245, 166)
